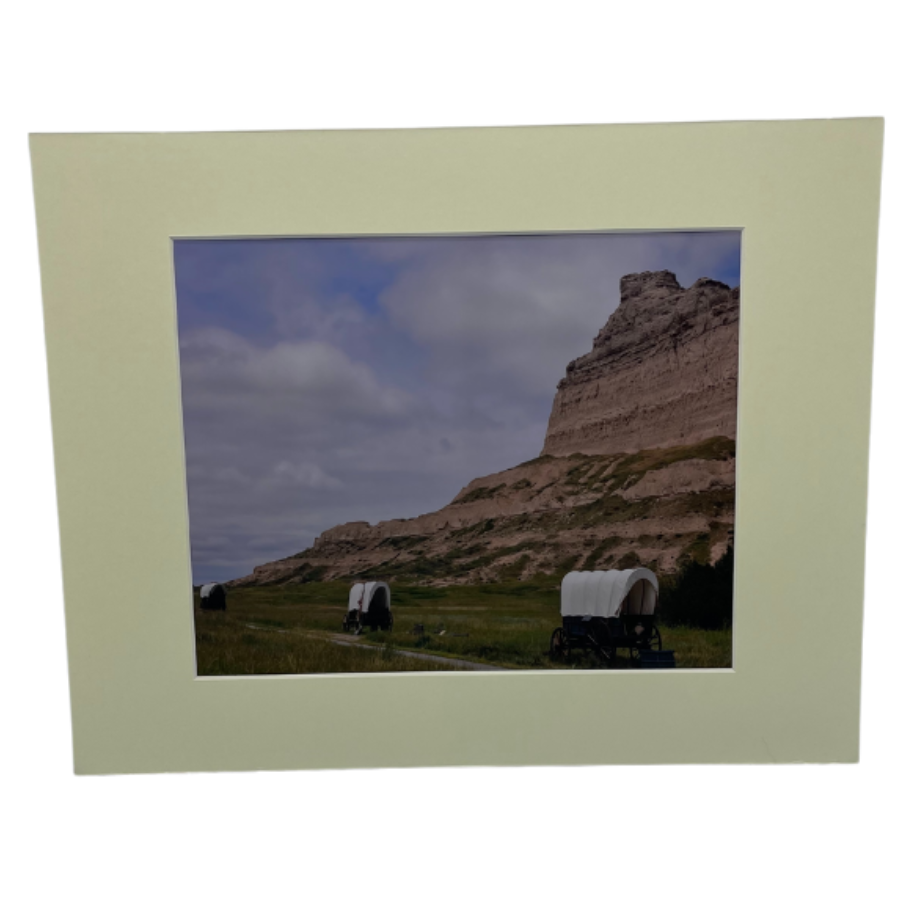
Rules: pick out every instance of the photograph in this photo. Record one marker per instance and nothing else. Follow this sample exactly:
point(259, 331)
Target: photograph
point(460, 452)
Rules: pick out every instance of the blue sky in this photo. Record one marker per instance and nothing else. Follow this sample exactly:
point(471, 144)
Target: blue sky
point(331, 380)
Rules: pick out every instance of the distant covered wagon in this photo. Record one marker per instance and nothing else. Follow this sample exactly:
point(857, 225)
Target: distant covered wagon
point(212, 596)
point(369, 606)
point(602, 611)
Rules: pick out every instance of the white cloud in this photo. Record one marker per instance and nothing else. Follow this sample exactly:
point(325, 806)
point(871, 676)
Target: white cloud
point(224, 370)
point(304, 474)
point(332, 319)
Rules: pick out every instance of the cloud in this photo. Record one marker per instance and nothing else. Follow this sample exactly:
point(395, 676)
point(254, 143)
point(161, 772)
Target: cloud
point(305, 474)
point(226, 371)
point(337, 319)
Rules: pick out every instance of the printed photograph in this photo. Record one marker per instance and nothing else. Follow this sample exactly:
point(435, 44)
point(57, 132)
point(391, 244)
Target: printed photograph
point(460, 453)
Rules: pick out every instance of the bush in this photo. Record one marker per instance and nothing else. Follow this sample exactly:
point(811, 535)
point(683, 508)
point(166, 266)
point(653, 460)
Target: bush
point(629, 561)
point(701, 596)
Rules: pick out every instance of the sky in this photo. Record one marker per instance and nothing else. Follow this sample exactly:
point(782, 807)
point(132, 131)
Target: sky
point(328, 380)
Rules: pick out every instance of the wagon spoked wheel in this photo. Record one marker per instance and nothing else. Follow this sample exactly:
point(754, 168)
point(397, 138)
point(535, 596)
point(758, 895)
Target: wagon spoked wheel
point(652, 642)
point(555, 643)
point(558, 645)
point(639, 640)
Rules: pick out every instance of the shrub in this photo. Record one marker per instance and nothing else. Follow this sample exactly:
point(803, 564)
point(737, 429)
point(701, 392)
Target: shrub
point(480, 493)
point(701, 596)
point(629, 561)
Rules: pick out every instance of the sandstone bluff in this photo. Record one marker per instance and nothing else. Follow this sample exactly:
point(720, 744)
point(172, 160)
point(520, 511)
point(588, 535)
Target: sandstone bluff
point(662, 371)
point(637, 465)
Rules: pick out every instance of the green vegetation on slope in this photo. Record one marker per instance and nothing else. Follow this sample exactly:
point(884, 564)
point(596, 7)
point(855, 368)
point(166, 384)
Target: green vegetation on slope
point(608, 473)
point(481, 493)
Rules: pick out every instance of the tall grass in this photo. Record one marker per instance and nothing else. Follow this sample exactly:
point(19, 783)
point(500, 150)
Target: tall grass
point(227, 646)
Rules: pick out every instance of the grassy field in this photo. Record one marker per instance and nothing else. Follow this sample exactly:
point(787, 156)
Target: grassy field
point(289, 629)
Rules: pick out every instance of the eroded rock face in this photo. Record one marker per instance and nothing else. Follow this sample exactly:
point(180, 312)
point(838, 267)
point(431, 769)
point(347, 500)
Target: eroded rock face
point(662, 371)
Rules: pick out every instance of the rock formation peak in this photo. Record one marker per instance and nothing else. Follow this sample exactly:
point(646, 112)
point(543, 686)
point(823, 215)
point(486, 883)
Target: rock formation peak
point(661, 372)
point(645, 284)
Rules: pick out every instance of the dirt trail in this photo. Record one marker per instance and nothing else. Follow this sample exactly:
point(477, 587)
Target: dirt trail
point(427, 657)
point(354, 641)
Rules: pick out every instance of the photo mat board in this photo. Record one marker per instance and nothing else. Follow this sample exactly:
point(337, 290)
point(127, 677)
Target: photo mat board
point(805, 195)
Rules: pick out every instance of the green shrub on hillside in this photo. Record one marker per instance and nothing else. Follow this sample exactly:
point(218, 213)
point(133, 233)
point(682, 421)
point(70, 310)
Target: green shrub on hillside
point(481, 493)
point(700, 596)
point(629, 561)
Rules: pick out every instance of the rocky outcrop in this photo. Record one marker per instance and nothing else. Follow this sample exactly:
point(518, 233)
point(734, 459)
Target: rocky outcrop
point(662, 371)
point(638, 464)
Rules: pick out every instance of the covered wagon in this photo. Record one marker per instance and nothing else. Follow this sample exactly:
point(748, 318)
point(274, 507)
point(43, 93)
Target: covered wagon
point(369, 606)
point(603, 611)
point(212, 596)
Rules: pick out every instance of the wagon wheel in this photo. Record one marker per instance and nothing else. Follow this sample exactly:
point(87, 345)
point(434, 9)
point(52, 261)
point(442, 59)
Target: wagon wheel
point(605, 646)
point(639, 641)
point(653, 642)
point(559, 646)
point(555, 641)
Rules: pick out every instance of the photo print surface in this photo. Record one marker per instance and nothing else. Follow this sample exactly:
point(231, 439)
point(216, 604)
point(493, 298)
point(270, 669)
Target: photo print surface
point(485, 453)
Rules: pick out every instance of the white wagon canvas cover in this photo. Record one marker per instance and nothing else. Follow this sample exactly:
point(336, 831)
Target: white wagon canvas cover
point(609, 593)
point(213, 596)
point(371, 590)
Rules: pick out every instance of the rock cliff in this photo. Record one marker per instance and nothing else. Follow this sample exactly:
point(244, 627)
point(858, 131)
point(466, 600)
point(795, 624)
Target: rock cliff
point(662, 371)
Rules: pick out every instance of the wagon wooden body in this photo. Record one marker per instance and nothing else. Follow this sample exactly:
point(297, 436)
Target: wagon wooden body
point(605, 611)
